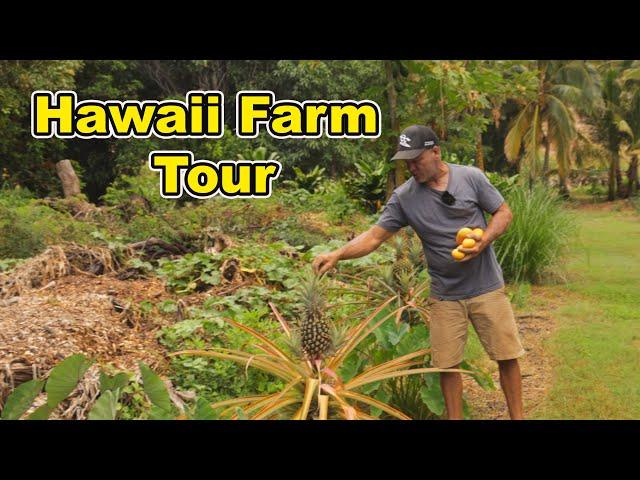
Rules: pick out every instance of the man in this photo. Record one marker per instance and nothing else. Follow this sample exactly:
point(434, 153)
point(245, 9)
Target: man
point(436, 202)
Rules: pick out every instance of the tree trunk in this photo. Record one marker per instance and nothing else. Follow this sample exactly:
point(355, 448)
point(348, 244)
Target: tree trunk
point(397, 175)
point(68, 177)
point(564, 189)
point(479, 152)
point(612, 176)
point(547, 148)
point(619, 183)
point(632, 176)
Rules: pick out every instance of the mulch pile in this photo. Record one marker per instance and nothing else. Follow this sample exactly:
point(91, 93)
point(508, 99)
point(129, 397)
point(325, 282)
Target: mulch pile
point(97, 316)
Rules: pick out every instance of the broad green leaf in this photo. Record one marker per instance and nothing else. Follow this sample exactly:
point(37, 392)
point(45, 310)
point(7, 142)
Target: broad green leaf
point(350, 367)
point(41, 413)
point(158, 413)
point(382, 334)
point(105, 407)
point(396, 335)
point(64, 377)
point(418, 338)
point(204, 411)
point(433, 398)
point(369, 388)
point(21, 399)
point(155, 388)
point(384, 397)
point(118, 381)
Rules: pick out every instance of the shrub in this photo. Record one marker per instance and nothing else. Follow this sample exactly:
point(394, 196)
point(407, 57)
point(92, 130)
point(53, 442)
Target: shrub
point(538, 237)
point(369, 182)
point(307, 181)
point(503, 183)
point(27, 226)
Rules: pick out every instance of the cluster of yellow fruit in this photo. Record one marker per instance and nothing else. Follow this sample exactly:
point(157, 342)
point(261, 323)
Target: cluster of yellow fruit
point(464, 242)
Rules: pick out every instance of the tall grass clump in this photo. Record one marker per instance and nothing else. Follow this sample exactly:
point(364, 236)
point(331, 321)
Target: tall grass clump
point(538, 238)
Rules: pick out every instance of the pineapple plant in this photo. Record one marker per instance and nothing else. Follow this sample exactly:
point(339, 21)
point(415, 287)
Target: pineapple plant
point(315, 390)
point(402, 265)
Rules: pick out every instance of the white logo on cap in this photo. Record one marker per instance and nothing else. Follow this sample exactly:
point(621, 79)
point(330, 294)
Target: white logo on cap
point(428, 143)
point(404, 141)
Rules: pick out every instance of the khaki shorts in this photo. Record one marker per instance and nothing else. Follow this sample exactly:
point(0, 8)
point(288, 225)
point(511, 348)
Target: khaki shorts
point(492, 319)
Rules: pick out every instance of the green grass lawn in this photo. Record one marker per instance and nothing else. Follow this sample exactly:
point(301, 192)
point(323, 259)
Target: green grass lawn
point(596, 347)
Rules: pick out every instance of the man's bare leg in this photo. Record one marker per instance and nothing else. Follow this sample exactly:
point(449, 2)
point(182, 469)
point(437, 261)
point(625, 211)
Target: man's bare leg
point(511, 383)
point(451, 384)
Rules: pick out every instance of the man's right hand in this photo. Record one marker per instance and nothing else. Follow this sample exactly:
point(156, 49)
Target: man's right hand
point(325, 262)
point(362, 245)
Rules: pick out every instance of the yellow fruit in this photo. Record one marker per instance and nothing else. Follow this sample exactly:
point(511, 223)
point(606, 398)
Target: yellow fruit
point(478, 232)
point(468, 243)
point(462, 233)
point(457, 254)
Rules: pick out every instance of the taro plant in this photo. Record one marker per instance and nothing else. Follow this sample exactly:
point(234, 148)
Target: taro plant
point(368, 182)
point(309, 181)
point(259, 153)
point(309, 362)
point(64, 379)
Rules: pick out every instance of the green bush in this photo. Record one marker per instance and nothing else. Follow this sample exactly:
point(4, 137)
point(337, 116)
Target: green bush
point(293, 232)
point(17, 240)
point(368, 182)
point(28, 227)
point(503, 183)
point(538, 237)
point(307, 181)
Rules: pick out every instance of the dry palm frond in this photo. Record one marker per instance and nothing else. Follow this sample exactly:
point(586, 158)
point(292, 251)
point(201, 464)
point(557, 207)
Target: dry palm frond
point(55, 262)
point(35, 272)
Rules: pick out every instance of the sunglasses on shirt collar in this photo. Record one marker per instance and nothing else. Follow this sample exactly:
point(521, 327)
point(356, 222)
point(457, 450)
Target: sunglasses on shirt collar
point(447, 198)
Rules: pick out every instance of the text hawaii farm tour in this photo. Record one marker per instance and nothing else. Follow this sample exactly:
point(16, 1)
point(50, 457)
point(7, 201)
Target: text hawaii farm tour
point(201, 115)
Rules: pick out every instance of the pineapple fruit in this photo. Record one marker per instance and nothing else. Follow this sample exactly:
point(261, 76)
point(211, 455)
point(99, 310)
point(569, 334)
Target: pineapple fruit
point(315, 335)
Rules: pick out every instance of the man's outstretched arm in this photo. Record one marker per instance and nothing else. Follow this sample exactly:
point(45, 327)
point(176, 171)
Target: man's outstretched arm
point(362, 245)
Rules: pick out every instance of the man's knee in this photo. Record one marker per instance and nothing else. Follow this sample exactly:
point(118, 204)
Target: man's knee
point(510, 363)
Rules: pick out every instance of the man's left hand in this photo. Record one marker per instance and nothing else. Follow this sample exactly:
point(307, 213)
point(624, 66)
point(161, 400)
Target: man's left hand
point(474, 251)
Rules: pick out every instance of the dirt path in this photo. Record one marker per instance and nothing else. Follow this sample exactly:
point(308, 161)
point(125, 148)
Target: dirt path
point(535, 324)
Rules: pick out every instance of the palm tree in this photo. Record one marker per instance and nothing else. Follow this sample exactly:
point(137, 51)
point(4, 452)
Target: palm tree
point(549, 119)
point(631, 79)
point(620, 116)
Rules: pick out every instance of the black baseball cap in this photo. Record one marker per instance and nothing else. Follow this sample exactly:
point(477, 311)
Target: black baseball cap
point(413, 141)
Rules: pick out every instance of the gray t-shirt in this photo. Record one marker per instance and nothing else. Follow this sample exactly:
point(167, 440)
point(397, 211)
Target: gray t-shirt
point(436, 224)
